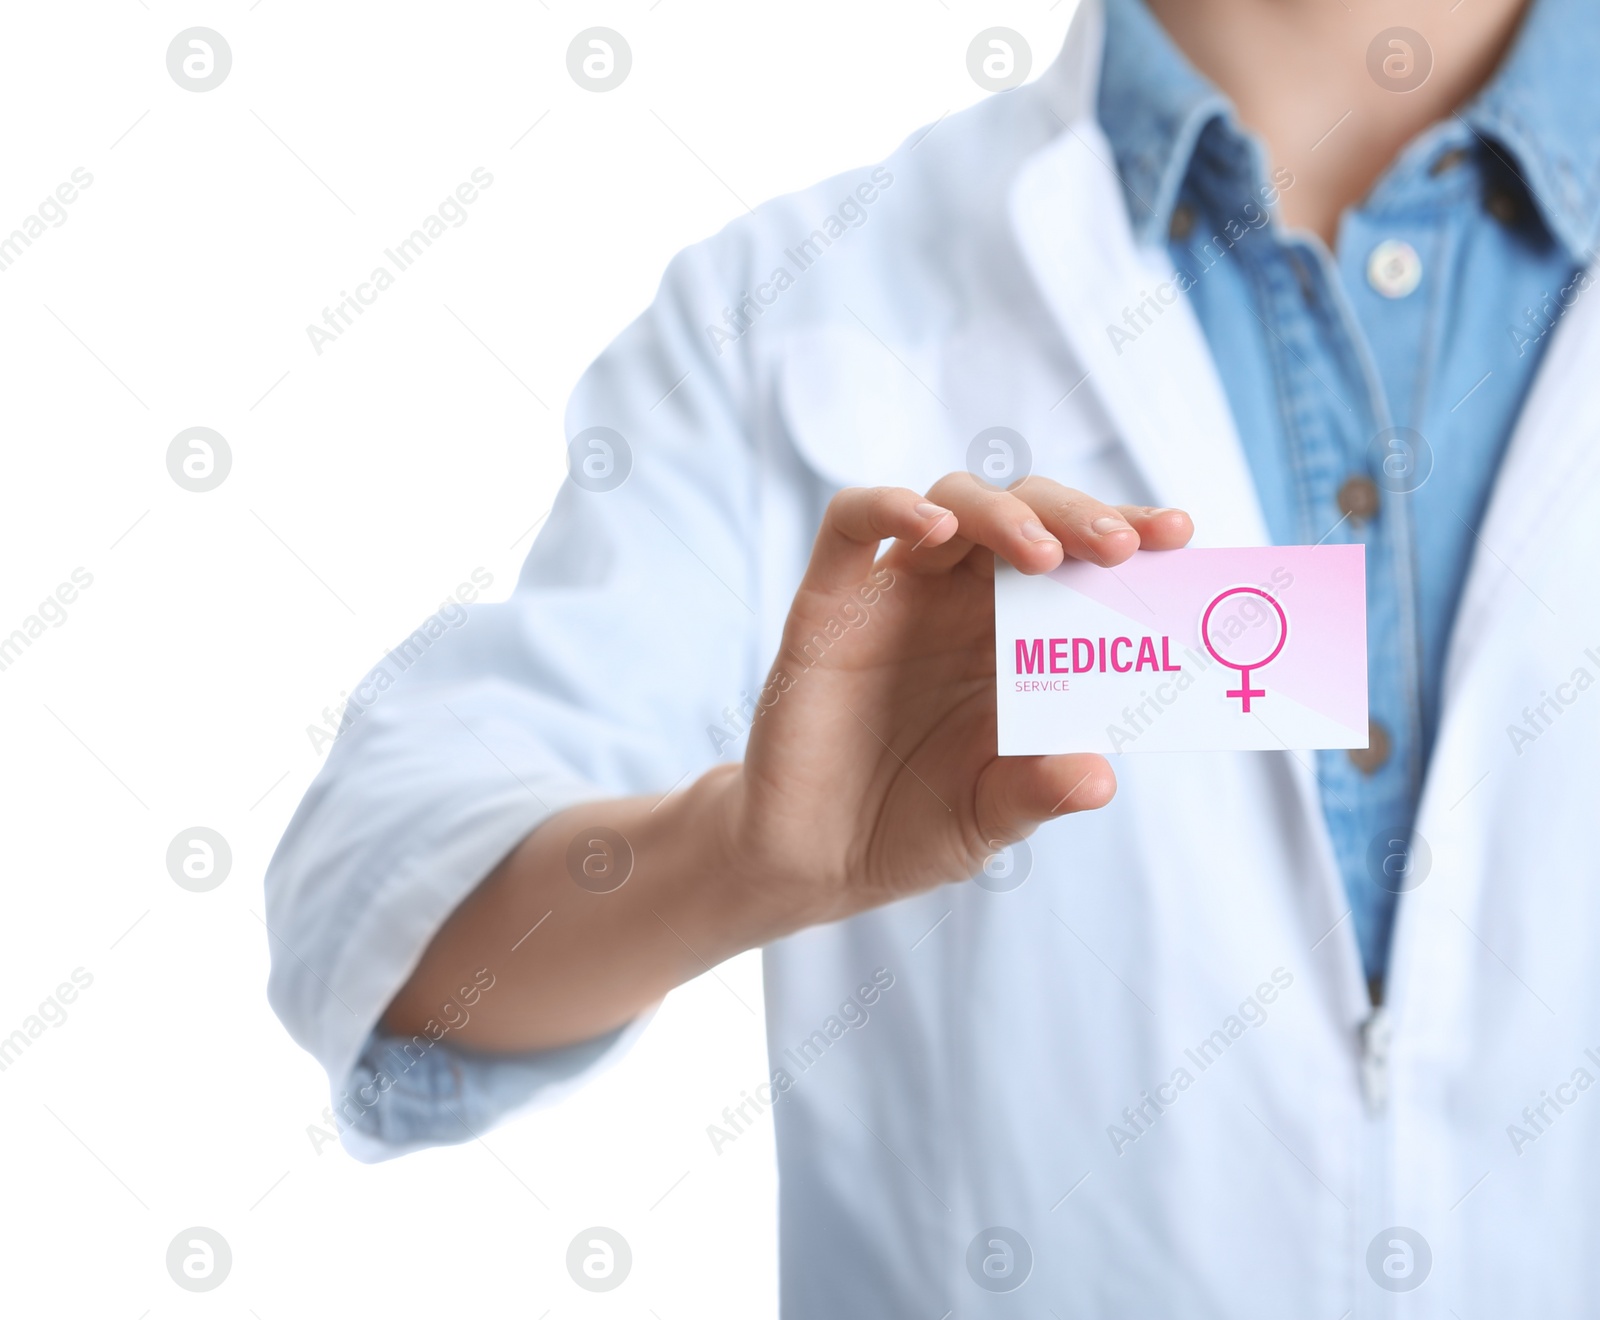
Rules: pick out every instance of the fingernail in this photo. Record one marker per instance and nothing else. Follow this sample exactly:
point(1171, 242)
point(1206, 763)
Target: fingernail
point(926, 510)
point(1107, 525)
point(1034, 530)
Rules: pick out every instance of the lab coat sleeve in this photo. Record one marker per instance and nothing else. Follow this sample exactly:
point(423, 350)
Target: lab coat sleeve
point(632, 629)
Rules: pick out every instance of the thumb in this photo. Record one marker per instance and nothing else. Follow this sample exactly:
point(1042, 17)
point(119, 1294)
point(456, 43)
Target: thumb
point(1016, 794)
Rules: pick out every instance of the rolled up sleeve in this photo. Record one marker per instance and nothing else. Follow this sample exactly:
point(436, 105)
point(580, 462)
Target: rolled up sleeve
point(632, 625)
point(398, 1100)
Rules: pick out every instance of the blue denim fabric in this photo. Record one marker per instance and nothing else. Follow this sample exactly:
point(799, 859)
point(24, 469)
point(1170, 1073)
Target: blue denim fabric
point(1329, 379)
point(408, 1094)
point(1316, 366)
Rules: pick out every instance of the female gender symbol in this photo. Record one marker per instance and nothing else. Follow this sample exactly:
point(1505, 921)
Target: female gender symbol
point(1244, 691)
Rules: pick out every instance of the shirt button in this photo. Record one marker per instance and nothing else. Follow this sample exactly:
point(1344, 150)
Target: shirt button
point(1499, 203)
point(1302, 277)
point(1359, 499)
point(1182, 221)
point(1394, 269)
point(1371, 758)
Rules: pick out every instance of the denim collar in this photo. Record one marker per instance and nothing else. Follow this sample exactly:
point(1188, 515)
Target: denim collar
point(1537, 116)
point(1540, 115)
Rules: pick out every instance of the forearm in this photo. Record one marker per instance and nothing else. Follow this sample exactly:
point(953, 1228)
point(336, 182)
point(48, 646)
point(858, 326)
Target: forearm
point(597, 956)
point(824, 818)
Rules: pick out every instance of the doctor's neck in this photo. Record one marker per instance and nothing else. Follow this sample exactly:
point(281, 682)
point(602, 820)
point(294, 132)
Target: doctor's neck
point(1299, 74)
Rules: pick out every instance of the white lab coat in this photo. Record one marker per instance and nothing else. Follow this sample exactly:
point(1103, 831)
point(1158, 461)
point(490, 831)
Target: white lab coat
point(989, 1086)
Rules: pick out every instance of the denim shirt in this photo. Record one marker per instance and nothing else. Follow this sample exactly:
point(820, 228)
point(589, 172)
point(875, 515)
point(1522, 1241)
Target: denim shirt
point(1375, 386)
point(1499, 204)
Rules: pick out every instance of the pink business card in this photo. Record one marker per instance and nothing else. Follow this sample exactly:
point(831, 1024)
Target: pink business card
point(1184, 650)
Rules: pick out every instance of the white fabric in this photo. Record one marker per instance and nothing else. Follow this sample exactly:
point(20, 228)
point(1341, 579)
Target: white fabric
point(984, 1089)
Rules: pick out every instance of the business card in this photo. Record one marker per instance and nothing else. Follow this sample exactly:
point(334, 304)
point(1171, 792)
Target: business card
point(1260, 649)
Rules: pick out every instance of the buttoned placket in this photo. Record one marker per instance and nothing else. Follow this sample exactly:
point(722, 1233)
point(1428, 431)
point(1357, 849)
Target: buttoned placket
point(1334, 407)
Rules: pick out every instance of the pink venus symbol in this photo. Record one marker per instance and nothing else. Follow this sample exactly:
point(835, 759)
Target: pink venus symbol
point(1244, 691)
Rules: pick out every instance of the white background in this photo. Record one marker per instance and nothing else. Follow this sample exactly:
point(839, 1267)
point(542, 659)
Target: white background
point(366, 483)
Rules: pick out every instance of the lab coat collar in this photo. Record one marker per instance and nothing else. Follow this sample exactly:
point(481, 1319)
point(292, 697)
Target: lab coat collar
point(1547, 476)
point(1137, 343)
point(1161, 391)
point(1071, 85)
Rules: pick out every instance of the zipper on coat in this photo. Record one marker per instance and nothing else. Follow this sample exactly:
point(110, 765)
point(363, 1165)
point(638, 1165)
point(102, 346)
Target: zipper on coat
point(1376, 1034)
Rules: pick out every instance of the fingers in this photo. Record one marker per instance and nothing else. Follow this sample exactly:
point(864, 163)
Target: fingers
point(1017, 793)
point(994, 519)
point(1159, 529)
point(1100, 533)
point(1038, 523)
point(858, 519)
point(1033, 526)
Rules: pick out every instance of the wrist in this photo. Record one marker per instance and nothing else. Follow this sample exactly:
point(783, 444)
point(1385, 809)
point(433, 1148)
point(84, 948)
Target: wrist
point(757, 898)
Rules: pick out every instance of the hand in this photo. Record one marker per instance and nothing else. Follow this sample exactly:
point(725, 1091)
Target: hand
point(871, 772)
